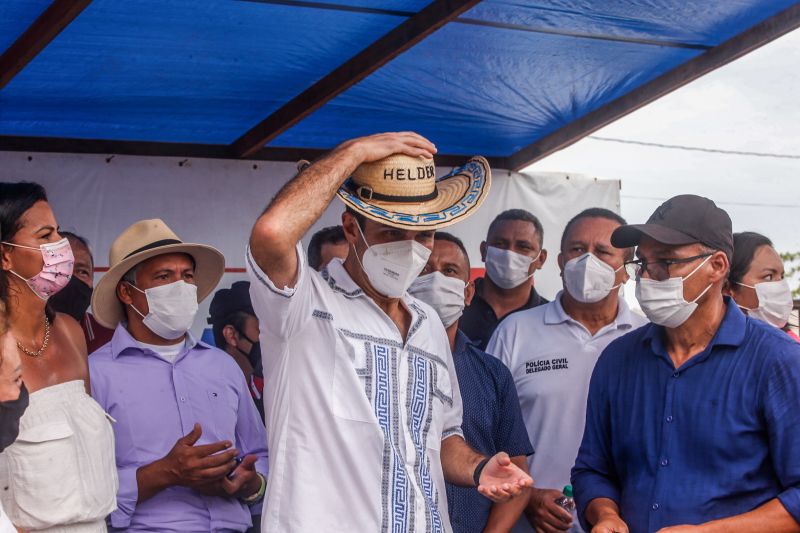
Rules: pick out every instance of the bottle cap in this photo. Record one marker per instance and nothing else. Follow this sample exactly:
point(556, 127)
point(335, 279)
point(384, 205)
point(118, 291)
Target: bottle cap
point(568, 491)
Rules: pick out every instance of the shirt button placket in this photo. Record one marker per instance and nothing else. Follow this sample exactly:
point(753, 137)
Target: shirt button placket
point(662, 479)
point(186, 423)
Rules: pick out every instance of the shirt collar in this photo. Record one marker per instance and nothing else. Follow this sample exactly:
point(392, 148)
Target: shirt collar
point(554, 313)
point(731, 331)
point(339, 280)
point(122, 343)
point(534, 300)
point(463, 343)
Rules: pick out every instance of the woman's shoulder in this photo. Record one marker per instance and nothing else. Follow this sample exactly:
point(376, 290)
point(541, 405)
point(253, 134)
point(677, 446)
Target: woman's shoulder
point(72, 342)
point(71, 329)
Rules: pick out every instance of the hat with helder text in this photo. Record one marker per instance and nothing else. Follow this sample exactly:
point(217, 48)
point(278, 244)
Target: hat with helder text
point(403, 192)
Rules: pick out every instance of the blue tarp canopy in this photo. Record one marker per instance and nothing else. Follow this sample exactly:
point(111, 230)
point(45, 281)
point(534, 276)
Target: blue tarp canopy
point(283, 79)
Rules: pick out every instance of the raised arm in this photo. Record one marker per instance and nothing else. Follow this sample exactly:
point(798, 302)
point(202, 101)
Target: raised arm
point(302, 200)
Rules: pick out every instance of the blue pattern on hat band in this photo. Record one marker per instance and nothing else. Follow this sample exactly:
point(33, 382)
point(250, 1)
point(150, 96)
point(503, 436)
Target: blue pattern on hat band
point(469, 199)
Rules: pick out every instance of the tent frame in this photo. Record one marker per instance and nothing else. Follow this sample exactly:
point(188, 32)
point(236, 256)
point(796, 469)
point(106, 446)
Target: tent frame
point(251, 144)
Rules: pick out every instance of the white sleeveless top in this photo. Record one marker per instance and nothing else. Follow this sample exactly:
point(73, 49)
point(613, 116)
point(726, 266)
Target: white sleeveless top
point(5, 524)
point(60, 473)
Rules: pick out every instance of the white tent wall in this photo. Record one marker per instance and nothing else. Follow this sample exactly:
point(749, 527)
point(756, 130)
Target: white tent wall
point(215, 202)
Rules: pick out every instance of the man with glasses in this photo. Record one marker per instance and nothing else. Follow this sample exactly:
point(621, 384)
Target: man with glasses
point(692, 422)
point(551, 351)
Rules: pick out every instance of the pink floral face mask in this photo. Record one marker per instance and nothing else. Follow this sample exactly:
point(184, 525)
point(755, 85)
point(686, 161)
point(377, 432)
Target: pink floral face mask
point(57, 269)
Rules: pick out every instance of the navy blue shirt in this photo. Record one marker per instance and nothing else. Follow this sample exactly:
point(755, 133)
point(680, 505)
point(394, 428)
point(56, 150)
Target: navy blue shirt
point(715, 438)
point(492, 422)
point(479, 319)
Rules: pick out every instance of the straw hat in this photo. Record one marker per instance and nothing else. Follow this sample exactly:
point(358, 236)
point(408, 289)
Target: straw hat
point(403, 192)
point(141, 241)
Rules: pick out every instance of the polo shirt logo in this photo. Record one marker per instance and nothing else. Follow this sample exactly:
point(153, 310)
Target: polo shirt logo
point(543, 365)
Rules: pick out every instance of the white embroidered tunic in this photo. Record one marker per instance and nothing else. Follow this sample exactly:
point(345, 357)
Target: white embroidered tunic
point(355, 415)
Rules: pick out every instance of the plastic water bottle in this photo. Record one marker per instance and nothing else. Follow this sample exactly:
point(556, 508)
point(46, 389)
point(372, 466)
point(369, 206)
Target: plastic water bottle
point(566, 501)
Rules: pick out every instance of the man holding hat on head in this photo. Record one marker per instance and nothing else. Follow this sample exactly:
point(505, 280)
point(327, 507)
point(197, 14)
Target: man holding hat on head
point(362, 403)
point(692, 421)
point(190, 447)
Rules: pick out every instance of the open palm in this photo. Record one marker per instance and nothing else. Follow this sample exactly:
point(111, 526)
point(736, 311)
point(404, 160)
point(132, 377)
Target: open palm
point(502, 480)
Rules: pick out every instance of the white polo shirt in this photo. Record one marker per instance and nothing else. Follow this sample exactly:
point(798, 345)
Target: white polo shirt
point(355, 415)
point(551, 357)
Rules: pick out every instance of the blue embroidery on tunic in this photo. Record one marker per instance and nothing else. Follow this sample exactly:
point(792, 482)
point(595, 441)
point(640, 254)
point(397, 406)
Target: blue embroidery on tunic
point(326, 275)
point(394, 473)
point(420, 414)
point(324, 315)
point(381, 372)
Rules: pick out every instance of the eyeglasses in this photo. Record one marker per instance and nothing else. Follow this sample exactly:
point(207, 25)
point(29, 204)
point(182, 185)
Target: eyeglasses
point(658, 270)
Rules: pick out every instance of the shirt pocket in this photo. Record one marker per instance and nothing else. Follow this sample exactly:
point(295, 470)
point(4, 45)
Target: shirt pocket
point(223, 405)
point(441, 401)
point(45, 477)
point(354, 377)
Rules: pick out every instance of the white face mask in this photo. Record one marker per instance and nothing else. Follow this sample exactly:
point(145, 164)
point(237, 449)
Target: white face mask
point(774, 302)
point(588, 279)
point(171, 308)
point(663, 302)
point(508, 269)
point(393, 266)
point(444, 293)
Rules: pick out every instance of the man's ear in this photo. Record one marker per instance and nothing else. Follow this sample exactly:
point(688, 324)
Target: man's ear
point(625, 275)
point(720, 266)
point(124, 293)
point(351, 231)
point(231, 335)
point(469, 293)
point(542, 258)
point(561, 263)
point(483, 251)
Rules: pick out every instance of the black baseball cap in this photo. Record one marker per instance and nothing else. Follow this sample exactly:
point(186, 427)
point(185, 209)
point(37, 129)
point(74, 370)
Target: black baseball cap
point(684, 219)
point(229, 301)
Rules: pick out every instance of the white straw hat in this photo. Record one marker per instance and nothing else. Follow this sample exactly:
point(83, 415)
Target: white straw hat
point(403, 192)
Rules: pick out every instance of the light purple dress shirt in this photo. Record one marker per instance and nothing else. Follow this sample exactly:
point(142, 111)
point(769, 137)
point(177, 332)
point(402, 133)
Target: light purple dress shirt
point(155, 403)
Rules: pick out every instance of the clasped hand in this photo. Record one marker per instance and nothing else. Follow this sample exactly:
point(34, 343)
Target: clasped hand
point(211, 468)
